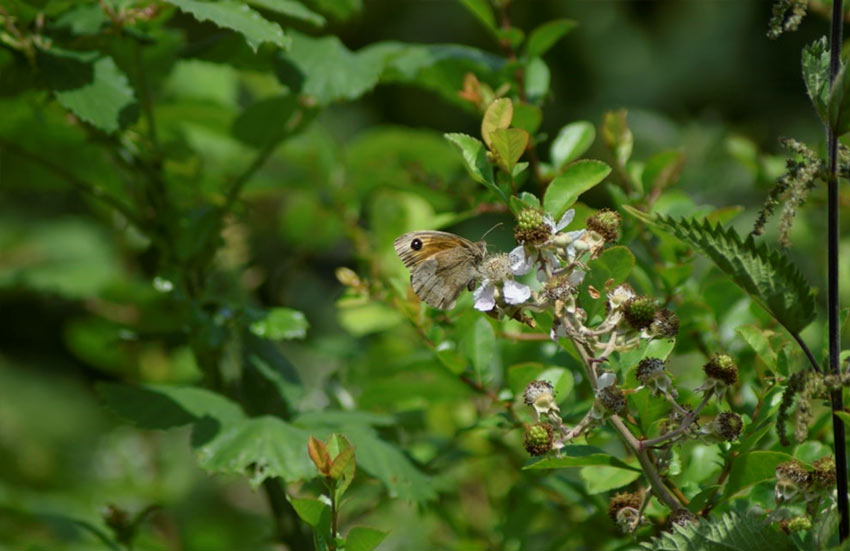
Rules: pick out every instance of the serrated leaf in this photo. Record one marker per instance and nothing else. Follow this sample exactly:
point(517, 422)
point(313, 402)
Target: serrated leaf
point(579, 456)
point(475, 160)
point(281, 324)
point(767, 275)
point(328, 71)
point(497, 116)
point(165, 406)
point(577, 178)
point(546, 35)
point(838, 102)
point(290, 8)
point(524, 200)
point(571, 142)
point(752, 468)
point(758, 341)
point(260, 447)
point(731, 532)
point(91, 86)
point(508, 144)
point(815, 61)
point(363, 538)
point(238, 17)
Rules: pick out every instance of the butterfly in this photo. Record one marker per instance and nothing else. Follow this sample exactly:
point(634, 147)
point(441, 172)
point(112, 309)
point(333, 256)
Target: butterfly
point(441, 264)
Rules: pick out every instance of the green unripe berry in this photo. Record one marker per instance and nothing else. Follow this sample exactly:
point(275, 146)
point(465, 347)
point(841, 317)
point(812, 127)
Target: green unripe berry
point(723, 368)
point(538, 438)
point(639, 311)
point(606, 223)
point(531, 228)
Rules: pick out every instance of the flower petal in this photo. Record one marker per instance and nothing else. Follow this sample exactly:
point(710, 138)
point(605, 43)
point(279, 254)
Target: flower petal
point(521, 263)
point(484, 296)
point(549, 221)
point(516, 293)
point(576, 277)
point(605, 380)
point(565, 220)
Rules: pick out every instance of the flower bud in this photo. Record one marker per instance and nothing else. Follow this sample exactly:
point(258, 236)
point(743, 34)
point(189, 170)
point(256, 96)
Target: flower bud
point(606, 223)
point(538, 438)
point(796, 524)
point(639, 311)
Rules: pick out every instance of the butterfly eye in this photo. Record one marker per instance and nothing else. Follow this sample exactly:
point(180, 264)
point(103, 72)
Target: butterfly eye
point(416, 244)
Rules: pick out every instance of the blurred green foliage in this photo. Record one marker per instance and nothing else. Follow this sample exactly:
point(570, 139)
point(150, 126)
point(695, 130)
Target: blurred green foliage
point(181, 182)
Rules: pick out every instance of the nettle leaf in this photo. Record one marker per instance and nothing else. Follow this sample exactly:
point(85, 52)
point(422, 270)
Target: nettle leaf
point(91, 86)
point(571, 142)
point(546, 35)
point(238, 17)
point(731, 532)
point(263, 447)
point(330, 71)
point(281, 324)
point(767, 275)
point(577, 178)
point(508, 144)
point(838, 102)
point(815, 61)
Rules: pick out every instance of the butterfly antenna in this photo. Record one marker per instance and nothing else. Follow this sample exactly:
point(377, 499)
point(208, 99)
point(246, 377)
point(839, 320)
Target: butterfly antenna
point(491, 229)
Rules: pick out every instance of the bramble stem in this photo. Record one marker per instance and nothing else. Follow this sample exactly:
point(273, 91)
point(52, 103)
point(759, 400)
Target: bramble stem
point(836, 397)
point(686, 422)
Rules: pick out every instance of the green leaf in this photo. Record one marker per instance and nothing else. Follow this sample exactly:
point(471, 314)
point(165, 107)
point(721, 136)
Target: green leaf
point(606, 272)
point(363, 538)
point(310, 510)
point(838, 102)
point(758, 341)
point(268, 121)
point(815, 61)
point(751, 468)
point(537, 78)
point(270, 383)
point(579, 456)
point(601, 478)
point(508, 144)
point(662, 170)
point(281, 324)
point(767, 275)
point(475, 160)
point(371, 317)
point(84, 19)
point(520, 375)
point(844, 416)
point(480, 346)
point(577, 178)
point(571, 142)
point(731, 532)
point(165, 407)
point(497, 116)
point(229, 14)
point(546, 35)
point(330, 71)
point(524, 200)
point(91, 86)
point(483, 12)
point(527, 116)
point(260, 447)
point(291, 8)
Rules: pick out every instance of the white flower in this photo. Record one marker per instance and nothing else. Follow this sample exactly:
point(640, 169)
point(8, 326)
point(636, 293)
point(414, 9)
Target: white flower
point(605, 380)
point(515, 293)
point(485, 296)
point(521, 263)
point(562, 223)
point(620, 295)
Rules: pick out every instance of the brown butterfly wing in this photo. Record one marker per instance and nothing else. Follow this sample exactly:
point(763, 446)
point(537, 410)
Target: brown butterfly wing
point(441, 264)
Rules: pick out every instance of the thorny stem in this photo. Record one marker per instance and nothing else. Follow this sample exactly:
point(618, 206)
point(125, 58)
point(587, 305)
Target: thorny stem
point(836, 396)
point(629, 439)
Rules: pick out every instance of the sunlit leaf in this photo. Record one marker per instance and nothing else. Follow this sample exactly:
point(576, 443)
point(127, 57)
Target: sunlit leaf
point(571, 142)
point(577, 178)
point(236, 16)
